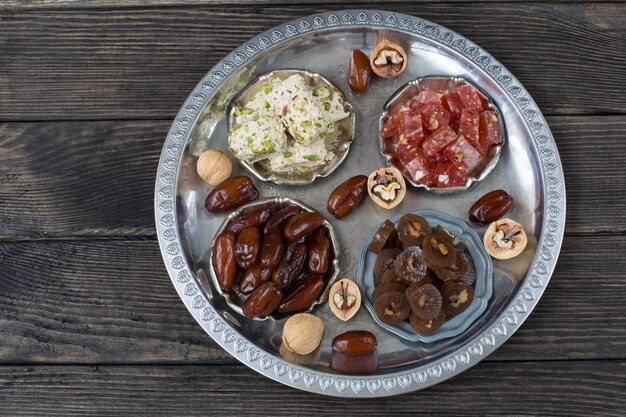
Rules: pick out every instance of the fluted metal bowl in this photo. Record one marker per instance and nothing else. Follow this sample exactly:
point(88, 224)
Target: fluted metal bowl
point(441, 83)
point(234, 300)
point(341, 138)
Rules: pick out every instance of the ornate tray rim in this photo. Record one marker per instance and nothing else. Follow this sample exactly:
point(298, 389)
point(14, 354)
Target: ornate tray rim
point(395, 383)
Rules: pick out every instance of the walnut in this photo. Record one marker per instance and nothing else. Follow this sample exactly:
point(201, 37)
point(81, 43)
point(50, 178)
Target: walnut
point(505, 239)
point(303, 333)
point(214, 166)
point(388, 59)
point(386, 187)
point(344, 299)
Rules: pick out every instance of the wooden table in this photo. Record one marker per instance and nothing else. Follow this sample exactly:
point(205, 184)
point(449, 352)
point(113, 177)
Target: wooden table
point(89, 321)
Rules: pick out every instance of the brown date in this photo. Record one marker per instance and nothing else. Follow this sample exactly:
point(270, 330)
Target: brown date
point(490, 207)
point(354, 352)
point(223, 258)
point(254, 218)
point(302, 224)
point(254, 276)
point(347, 196)
point(247, 247)
point(230, 194)
point(290, 265)
point(319, 252)
point(359, 71)
point(273, 248)
point(263, 300)
point(281, 217)
point(303, 295)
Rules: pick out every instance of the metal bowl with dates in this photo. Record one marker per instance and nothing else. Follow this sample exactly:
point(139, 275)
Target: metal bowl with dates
point(235, 300)
point(529, 169)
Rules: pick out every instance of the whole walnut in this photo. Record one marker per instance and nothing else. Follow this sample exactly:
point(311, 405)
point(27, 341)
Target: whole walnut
point(214, 166)
point(303, 333)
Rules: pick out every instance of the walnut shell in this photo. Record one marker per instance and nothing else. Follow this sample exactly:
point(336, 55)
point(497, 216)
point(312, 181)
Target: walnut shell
point(302, 333)
point(394, 57)
point(344, 299)
point(505, 239)
point(214, 166)
point(386, 187)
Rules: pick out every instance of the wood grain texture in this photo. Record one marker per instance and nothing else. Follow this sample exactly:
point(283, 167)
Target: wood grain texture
point(111, 301)
point(11, 5)
point(142, 63)
point(92, 302)
point(584, 388)
point(97, 178)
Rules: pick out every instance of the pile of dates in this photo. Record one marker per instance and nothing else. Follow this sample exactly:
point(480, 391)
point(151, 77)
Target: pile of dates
point(275, 259)
point(422, 274)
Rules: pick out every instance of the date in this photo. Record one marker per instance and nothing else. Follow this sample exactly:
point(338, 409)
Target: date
point(254, 218)
point(273, 248)
point(281, 217)
point(303, 295)
point(302, 224)
point(490, 207)
point(263, 300)
point(230, 194)
point(359, 71)
point(253, 277)
point(347, 196)
point(247, 247)
point(291, 264)
point(319, 252)
point(354, 352)
point(223, 259)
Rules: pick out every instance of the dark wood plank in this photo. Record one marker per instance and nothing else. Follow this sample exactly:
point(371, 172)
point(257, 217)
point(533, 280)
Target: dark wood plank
point(593, 388)
point(93, 177)
point(11, 5)
point(111, 301)
point(142, 63)
point(92, 302)
point(97, 178)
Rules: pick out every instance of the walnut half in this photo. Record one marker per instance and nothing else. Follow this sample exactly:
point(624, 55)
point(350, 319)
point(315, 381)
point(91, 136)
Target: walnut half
point(505, 239)
point(386, 187)
point(344, 299)
point(388, 59)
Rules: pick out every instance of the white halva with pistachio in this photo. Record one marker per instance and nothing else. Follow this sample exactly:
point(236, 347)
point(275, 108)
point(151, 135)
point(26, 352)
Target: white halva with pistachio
point(287, 123)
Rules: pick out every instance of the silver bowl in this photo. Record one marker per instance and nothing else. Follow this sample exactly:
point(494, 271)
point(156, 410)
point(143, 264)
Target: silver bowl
point(343, 134)
point(441, 83)
point(483, 287)
point(235, 301)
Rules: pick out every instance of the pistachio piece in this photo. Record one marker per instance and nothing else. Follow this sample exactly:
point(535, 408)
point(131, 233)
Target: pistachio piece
point(386, 187)
point(302, 333)
point(214, 166)
point(388, 59)
point(344, 299)
point(505, 239)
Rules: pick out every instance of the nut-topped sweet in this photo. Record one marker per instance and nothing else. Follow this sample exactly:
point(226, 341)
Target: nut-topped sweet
point(426, 278)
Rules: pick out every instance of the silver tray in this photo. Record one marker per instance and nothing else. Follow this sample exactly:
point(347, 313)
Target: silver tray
point(529, 169)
